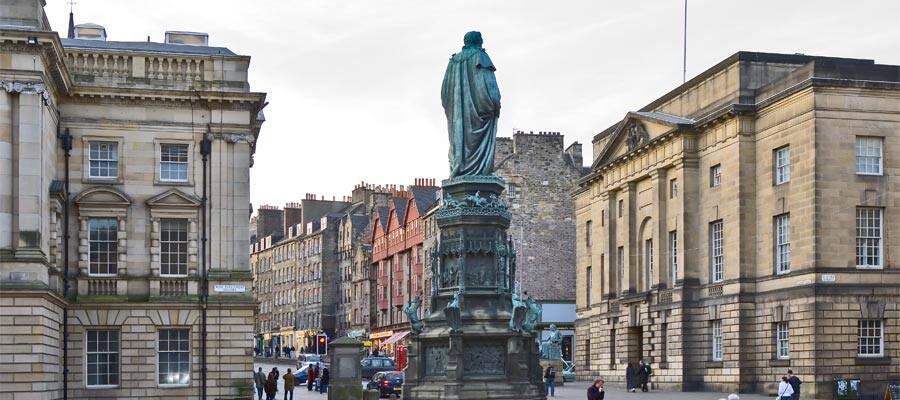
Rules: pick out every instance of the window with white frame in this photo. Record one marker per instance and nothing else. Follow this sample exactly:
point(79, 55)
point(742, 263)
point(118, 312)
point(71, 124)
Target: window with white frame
point(717, 255)
point(782, 340)
point(869, 155)
point(673, 256)
point(717, 340)
point(102, 357)
point(103, 249)
point(869, 235)
point(174, 357)
point(871, 338)
point(782, 163)
point(103, 160)
point(673, 188)
point(620, 267)
point(782, 243)
point(715, 175)
point(173, 162)
point(173, 243)
point(648, 255)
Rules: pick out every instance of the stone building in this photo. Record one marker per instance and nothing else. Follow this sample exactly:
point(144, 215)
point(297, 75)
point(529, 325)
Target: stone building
point(101, 158)
point(398, 259)
point(540, 176)
point(740, 225)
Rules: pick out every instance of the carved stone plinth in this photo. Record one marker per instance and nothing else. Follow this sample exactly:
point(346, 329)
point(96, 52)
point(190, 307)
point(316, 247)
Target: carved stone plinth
point(467, 349)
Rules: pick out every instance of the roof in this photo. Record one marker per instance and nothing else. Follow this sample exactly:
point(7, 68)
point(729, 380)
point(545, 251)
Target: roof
point(151, 47)
point(424, 197)
point(400, 208)
point(663, 117)
point(383, 217)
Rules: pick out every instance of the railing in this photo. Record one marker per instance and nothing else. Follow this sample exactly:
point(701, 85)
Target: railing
point(112, 66)
point(120, 68)
point(174, 69)
point(665, 297)
point(101, 287)
point(715, 291)
point(168, 288)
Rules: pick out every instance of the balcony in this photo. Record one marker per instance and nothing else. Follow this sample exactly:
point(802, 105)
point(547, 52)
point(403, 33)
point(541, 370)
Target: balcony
point(102, 286)
point(173, 288)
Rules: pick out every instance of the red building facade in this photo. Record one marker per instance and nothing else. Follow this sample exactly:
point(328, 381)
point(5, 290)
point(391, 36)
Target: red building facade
point(398, 260)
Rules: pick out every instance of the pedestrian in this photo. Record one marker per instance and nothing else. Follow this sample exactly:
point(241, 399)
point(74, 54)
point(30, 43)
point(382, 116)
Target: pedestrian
point(323, 381)
point(785, 391)
point(271, 385)
point(289, 381)
point(795, 384)
point(310, 377)
point(595, 392)
point(550, 381)
point(644, 372)
point(630, 379)
point(260, 379)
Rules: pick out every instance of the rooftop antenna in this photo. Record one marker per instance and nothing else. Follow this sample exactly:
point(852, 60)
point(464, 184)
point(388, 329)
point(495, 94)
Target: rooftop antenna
point(684, 53)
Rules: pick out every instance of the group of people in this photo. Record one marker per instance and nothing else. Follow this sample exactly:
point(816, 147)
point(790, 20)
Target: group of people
point(268, 384)
point(638, 376)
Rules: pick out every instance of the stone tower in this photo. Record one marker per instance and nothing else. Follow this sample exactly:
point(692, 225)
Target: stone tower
point(471, 346)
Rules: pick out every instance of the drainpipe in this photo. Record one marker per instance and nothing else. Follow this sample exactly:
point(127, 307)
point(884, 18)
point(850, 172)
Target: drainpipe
point(67, 147)
point(205, 150)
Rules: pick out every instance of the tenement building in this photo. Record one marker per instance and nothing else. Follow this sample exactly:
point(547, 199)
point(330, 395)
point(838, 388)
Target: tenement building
point(124, 188)
point(740, 225)
point(540, 177)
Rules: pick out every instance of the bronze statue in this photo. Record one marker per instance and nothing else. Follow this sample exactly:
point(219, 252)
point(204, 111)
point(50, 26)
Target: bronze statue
point(412, 313)
point(452, 313)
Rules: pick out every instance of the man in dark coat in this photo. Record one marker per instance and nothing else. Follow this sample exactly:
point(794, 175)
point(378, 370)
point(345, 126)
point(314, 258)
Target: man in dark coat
point(323, 380)
point(795, 383)
point(596, 392)
point(643, 375)
point(630, 377)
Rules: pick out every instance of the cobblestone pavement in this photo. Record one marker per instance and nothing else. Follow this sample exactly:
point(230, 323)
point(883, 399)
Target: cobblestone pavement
point(571, 391)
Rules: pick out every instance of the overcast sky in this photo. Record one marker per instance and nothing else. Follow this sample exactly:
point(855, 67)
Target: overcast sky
point(354, 86)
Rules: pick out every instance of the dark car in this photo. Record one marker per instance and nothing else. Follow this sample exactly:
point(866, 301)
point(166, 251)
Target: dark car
point(373, 365)
point(387, 383)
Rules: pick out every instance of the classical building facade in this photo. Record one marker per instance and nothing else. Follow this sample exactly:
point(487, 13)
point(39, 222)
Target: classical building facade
point(398, 259)
point(125, 170)
point(740, 225)
point(540, 176)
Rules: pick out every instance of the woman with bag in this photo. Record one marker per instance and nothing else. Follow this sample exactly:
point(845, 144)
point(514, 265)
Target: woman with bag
point(784, 389)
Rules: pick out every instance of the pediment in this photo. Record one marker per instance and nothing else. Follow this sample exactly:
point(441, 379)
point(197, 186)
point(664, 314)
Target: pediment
point(106, 196)
point(173, 198)
point(636, 130)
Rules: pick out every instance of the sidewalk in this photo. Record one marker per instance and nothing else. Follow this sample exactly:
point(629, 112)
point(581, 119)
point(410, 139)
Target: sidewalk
point(578, 391)
point(275, 361)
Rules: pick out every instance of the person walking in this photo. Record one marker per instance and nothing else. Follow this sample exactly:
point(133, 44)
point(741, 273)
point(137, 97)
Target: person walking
point(323, 380)
point(259, 378)
point(630, 378)
point(785, 391)
point(595, 392)
point(795, 383)
point(550, 381)
point(311, 376)
point(644, 372)
point(271, 385)
point(289, 381)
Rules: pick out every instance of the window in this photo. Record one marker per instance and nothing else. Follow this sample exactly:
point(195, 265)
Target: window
point(868, 155)
point(104, 160)
point(173, 254)
point(648, 254)
point(782, 163)
point(102, 357)
point(717, 340)
point(673, 188)
point(612, 346)
point(602, 217)
point(620, 266)
point(715, 175)
point(587, 353)
point(103, 246)
point(512, 190)
point(588, 278)
point(664, 330)
point(782, 244)
point(673, 256)
point(871, 338)
point(621, 208)
point(587, 233)
point(602, 273)
point(174, 357)
point(868, 237)
point(782, 340)
point(716, 251)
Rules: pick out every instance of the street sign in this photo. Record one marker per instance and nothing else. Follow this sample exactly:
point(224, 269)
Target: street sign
point(230, 289)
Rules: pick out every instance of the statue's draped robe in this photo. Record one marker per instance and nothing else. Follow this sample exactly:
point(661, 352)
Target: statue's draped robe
point(471, 102)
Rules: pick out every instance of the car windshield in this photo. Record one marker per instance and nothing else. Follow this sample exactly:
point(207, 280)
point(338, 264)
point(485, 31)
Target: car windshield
point(393, 375)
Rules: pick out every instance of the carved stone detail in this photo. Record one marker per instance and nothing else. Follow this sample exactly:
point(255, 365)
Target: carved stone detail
point(636, 135)
point(484, 359)
point(436, 360)
point(27, 87)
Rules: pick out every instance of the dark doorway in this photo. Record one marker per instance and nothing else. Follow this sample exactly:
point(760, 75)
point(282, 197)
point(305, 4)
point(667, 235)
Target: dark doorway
point(635, 344)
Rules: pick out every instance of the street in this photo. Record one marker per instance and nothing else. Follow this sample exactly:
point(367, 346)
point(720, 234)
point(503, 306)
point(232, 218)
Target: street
point(571, 391)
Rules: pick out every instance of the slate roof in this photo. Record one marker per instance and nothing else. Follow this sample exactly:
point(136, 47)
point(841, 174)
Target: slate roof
point(660, 116)
point(400, 207)
point(359, 221)
point(383, 217)
point(150, 47)
point(424, 197)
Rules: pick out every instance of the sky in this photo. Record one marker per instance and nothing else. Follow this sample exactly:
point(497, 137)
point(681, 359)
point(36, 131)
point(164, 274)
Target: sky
point(354, 85)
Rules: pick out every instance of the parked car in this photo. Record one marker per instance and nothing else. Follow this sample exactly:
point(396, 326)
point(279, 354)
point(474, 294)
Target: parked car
point(388, 383)
point(301, 374)
point(373, 365)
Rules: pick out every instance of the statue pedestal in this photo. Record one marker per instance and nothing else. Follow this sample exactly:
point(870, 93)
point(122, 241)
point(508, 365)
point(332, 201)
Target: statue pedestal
point(473, 354)
point(558, 366)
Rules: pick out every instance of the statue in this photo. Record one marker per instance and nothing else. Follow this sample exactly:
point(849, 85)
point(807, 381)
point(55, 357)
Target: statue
point(551, 349)
point(412, 313)
point(451, 312)
point(533, 315)
point(636, 135)
point(519, 312)
point(476, 200)
point(471, 101)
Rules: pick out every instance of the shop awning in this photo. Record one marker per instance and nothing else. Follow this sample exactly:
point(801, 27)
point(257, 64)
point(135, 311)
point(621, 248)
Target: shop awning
point(396, 337)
